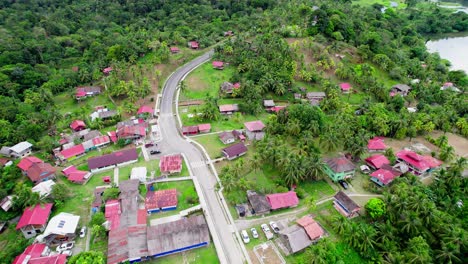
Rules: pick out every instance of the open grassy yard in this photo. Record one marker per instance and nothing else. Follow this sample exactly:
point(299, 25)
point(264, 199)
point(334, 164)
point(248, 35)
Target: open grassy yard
point(66, 103)
point(317, 189)
point(401, 3)
point(212, 144)
point(196, 256)
point(152, 165)
point(205, 80)
point(186, 195)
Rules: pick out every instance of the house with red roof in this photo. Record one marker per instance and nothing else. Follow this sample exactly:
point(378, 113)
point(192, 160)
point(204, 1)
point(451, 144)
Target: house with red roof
point(87, 91)
point(255, 130)
point(282, 200)
point(377, 161)
point(384, 175)
point(228, 109)
point(112, 213)
point(234, 151)
point(174, 50)
point(34, 220)
point(160, 201)
point(339, 168)
point(312, 227)
point(76, 176)
point(39, 254)
point(27, 162)
point(36, 170)
point(113, 136)
point(189, 130)
point(345, 87)
point(418, 164)
point(171, 164)
point(194, 44)
point(101, 141)
point(133, 132)
point(204, 128)
point(107, 70)
point(77, 125)
point(145, 110)
point(219, 65)
point(73, 152)
point(376, 144)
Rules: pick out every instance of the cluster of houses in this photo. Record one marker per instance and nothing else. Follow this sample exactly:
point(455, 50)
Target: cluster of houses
point(383, 173)
point(131, 239)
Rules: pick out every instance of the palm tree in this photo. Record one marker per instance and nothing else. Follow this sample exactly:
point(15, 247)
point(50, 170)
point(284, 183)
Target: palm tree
point(366, 235)
point(411, 224)
point(255, 161)
point(447, 153)
point(448, 253)
point(329, 141)
point(315, 167)
point(341, 225)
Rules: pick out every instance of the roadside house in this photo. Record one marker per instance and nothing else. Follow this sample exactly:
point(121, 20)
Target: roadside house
point(61, 228)
point(228, 109)
point(204, 128)
point(234, 151)
point(189, 130)
point(255, 130)
point(118, 158)
point(401, 89)
point(384, 175)
point(312, 227)
point(34, 220)
point(377, 161)
point(227, 137)
point(160, 201)
point(171, 164)
point(132, 132)
point(347, 207)
point(177, 236)
point(294, 238)
point(258, 203)
point(282, 200)
point(77, 125)
point(219, 65)
point(145, 110)
point(418, 164)
point(339, 168)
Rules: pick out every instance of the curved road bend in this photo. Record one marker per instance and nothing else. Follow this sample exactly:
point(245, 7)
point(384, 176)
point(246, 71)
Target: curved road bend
point(173, 142)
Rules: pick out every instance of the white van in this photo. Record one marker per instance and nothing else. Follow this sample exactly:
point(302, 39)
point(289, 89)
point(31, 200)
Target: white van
point(245, 236)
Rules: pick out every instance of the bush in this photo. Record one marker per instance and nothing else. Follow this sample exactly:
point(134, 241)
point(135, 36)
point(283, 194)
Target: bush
point(300, 192)
point(281, 189)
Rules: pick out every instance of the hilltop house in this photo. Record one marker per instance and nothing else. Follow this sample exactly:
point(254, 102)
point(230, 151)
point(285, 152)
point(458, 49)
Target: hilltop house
point(234, 151)
point(254, 130)
point(347, 207)
point(34, 220)
point(401, 89)
point(339, 168)
point(87, 91)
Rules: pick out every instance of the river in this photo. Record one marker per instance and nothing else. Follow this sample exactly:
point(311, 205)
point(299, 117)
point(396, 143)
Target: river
point(453, 47)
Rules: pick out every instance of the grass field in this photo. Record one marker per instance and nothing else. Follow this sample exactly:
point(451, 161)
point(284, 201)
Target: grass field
point(186, 195)
point(401, 3)
point(317, 189)
point(205, 80)
point(197, 256)
point(212, 144)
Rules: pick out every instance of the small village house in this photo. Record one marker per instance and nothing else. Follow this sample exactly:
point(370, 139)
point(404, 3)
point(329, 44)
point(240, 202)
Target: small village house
point(254, 130)
point(204, 128)
point(339, 168)
point(77, 125)
point(228, 88)
point(107, 71)
point(108, 161)
point(258, 202)
point(345, 87)
point(44, 188)
point(312, 227)
point(72, 152)
point(160, 201)
point(376, 144)
point(418, 164)
point(319, 96)
point(294, 238)
point(87, 91)
point(450, 87)
point(145, 111)
point(39, 253)
point(228, 109)
point(227, 137)
point(6, 203)
point(193, 44)
point(101, 141)
point(112, 213)
point(61, 228)
point(76, 176)
point(131, 132)
point(268, 104)
point(219, 65)
point(34, 220)
point(377, 161)
point(36, 170)
point(282, 200)
point(171, 164)
point(174, 50)
point(401, 89)
point(384, 175)
point(234, 151)
point(347, 207)
point(20, 150)
point(189, 130)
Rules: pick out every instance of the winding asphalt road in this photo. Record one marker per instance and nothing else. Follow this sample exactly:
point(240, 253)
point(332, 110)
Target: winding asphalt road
point(222, 230)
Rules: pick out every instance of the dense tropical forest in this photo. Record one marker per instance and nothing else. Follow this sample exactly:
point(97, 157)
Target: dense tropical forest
point(49, 47)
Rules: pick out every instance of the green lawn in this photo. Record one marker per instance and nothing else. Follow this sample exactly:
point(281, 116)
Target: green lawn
point(151, 165)
point(197, 256)
point(212, 144)
point(317, 189)
point(205, 80)
point(186, 195)
point(401, 3)
point(65, 102)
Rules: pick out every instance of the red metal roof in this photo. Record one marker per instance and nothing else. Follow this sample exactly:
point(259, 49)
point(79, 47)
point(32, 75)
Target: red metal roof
point(39, 171)
point(277, 108)
point(53, 259)
point(376, 143)
point(203, 127)
point(312, 228)
point(145, 109)
point(282, 200)
point(345, 86)
point(107, 70)
point(377, 161)
point(190, 129)
point(228, 108)
point(254, 125)
point(194, 44)
point(33, 251)
point(171, 163)
point(78, 125)
point(422, 163)
point(27, 162)
point(237, 85)
point(113, 136)
point(174, 49)
point(112, 213)
point(35, 216)
point(80, 92)
point(218, 64)
point(101, 140)
point(386, 174)
point(77, 176)
point(69, 170)
point(161, 199)
point(305, 221)
point(141, 217)
point(73, 151)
